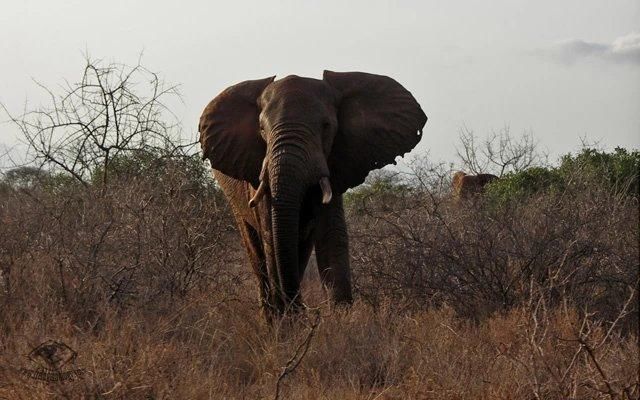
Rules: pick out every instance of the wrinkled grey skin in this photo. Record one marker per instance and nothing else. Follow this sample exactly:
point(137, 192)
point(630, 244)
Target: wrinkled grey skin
point(285, 151)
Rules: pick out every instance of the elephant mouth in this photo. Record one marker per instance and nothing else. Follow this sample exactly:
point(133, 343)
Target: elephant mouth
point(324, 184)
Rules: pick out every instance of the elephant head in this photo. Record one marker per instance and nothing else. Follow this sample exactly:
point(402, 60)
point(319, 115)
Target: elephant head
point(299, 138)
point(466, 186)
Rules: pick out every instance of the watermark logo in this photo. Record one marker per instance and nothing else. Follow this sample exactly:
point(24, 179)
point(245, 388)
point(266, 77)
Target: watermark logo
point(53, 361)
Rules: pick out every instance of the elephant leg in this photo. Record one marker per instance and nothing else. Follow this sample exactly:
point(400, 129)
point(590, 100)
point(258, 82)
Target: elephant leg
point(332, 251)
point(259, 265)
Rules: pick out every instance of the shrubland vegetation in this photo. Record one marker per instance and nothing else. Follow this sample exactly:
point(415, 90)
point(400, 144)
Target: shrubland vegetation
point(133, 261)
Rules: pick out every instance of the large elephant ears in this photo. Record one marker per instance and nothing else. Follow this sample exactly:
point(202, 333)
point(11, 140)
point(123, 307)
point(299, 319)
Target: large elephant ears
point(230, 131)
point(378, 120)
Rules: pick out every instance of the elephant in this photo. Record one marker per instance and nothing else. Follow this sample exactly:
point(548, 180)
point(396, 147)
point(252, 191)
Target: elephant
point(284, 152)
point(468, 186)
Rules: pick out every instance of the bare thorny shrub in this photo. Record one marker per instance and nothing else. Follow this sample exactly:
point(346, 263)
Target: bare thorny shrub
point(147, 282)
point(113, 208)
point(112, 111)
point(141, 243)
point(499, 153)
point(549, 256)
point(482, 260)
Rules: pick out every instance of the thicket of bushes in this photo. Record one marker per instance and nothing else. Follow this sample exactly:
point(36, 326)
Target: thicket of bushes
point(144, 238)
point(570, 231)
point(563, 234)
point(532, 294)
point(616, 172)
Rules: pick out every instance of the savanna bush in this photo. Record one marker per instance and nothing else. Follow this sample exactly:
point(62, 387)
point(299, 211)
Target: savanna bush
point(147, 165)
point(518, 186)
point(554, 233)
point(383, 185)
point(617, 172)
point(142, 239)
point(143, 274)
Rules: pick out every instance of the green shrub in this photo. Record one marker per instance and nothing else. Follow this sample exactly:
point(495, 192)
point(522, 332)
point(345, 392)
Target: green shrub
point(130, 169)
point(518, 185)
point(144, 165)
point(381, 185)
point(617, 170)
point(27, 177)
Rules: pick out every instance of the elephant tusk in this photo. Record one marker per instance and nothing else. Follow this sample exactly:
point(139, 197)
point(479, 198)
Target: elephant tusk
point(262, 187)
point(325, 185)
point(259, 194)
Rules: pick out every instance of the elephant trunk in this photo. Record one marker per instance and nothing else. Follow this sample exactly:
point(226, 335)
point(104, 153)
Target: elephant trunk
point(286, 183)
point(292, 171)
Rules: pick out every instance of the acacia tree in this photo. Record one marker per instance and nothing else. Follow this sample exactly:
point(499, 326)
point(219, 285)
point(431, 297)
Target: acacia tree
point(499, 153)
point(113, 111)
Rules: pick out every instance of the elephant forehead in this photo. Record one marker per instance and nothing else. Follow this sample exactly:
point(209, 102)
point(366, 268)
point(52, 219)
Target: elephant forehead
point(296, 88)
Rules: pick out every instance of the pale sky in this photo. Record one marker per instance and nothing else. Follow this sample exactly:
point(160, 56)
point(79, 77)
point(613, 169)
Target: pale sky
point(564, 70)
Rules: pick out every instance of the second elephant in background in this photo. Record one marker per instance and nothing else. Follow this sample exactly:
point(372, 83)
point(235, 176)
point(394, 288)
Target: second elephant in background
point(467, 186)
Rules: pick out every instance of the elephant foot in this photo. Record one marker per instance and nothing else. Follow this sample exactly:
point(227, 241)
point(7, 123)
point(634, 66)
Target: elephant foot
point(278, 310)
point(340, 295)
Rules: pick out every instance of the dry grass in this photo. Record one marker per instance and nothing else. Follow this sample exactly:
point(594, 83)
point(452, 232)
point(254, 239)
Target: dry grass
point(206, 347)
point(146, 282)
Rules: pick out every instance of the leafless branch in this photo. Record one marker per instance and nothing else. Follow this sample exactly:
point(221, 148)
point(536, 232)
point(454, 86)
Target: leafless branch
point(112, 111)
point(499, 153)
point(298, 355)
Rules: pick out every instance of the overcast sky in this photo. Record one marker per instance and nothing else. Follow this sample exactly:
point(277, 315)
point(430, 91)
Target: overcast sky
point(564, 70)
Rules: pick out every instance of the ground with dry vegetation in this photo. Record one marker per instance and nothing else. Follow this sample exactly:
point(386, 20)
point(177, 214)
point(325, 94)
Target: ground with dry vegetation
point(144, 277)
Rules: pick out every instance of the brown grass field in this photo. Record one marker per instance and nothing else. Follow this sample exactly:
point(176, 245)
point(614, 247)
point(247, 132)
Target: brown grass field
point(146, 281)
